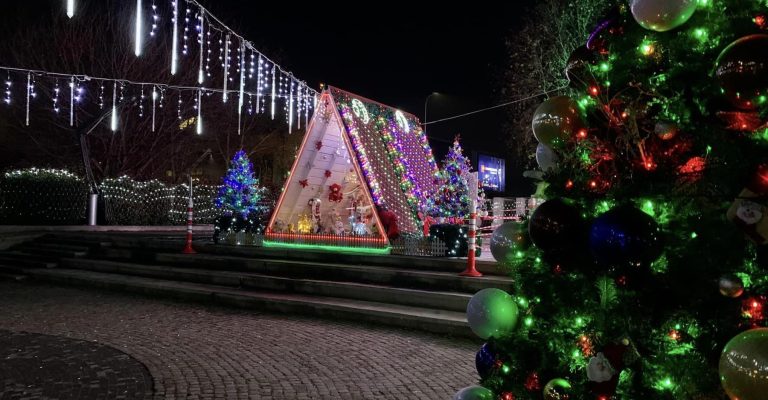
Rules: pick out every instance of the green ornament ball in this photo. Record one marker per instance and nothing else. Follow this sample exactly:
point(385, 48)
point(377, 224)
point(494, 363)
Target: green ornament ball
point(508, 241)
point(557, 389)
point(492, 313)
point(742, 71)
point(744, 365)
point(662, 15)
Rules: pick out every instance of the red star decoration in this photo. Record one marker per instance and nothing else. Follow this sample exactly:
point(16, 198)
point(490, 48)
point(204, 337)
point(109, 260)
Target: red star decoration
point(303, 183)
point(327, 173)
point(319, 144)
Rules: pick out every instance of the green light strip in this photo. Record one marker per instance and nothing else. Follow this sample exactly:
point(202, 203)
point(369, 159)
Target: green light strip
point(334, 249)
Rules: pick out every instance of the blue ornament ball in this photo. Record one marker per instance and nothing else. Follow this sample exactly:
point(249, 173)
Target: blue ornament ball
point(625, 237)
point(485, 359)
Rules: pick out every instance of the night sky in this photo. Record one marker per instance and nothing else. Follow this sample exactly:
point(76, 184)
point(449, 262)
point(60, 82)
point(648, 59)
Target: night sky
point(395, 53)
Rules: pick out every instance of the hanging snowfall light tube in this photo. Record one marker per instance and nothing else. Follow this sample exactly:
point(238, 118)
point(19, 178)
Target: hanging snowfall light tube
point(113, 119)
point(29, 93)
point(72, 102)
point(274, 70)
point(175, 46)
point(70, 8)
point(200, 112)
point(226, 68)
point(154, 106)
point(139, 28)
point(242, 88)
point(291, 84)
point(201, 28)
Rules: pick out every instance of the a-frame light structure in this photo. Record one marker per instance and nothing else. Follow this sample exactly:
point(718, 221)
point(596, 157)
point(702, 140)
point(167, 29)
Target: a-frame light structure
point(357, 154)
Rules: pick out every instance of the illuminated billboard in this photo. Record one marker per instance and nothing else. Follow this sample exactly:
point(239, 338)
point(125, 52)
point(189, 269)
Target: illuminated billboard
point(491, 172)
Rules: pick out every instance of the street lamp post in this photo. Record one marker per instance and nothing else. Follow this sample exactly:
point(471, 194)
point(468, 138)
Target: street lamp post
point(425, 109)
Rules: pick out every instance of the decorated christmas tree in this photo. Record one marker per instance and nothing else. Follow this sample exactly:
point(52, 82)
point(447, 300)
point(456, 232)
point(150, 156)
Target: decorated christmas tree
point(452, 196)
point(240, 194)
point(643, 275)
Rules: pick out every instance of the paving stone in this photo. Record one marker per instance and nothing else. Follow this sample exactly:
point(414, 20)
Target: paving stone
point(35, 366)
point(194, 351)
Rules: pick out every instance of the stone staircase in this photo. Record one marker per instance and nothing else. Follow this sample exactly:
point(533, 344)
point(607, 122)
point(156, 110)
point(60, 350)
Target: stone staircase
point(414, 293)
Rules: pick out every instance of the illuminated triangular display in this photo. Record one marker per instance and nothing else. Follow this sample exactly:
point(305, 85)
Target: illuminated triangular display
point(357, 154)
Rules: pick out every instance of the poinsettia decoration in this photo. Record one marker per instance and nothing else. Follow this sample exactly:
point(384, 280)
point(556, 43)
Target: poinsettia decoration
point(319, 144)
point(303, 183)
point(327, 173)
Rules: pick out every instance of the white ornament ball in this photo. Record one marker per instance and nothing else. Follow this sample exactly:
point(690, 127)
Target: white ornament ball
point(473, 393)
point(546, 158)
point(662, 15)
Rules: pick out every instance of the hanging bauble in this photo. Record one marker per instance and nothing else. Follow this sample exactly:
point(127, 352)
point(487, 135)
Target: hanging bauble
point(508, 241)
point(555, 226)
point(473, 393)
point(743, 364)
point(742, 71)
point(492, 313)
point(556, 120)
point(662, 15)
point(578, 68)
point(666, 130)
point(546, 158)
point(557, 389)
point(625, 236)
point(485, 360)
point(731, 286)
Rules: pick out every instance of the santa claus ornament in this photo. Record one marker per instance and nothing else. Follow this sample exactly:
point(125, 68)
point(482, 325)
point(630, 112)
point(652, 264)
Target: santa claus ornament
point(605, 367)
point(749, 210)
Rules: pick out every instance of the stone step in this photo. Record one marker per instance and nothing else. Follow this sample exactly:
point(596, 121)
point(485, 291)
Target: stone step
point(436, 321)
point(12, 269)
point(439, 264)
point(398, 277)
point(50, 251)
point(46, 244)
point(26, 260)
point(382, 294)
point(12, 277)
point(83, 240)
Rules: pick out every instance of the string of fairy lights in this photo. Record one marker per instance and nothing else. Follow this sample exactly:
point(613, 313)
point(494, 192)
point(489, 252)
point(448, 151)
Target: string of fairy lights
point(259, 83)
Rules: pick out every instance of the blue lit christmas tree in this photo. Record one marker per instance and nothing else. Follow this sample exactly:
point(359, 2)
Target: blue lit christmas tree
point(240, 195)
point(452, 196)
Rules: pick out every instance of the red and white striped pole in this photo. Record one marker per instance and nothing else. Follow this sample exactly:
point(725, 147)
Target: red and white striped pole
point(471, 269)
point(188, 247)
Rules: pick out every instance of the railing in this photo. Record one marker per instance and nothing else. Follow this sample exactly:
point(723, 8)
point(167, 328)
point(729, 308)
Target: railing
point(418, 246)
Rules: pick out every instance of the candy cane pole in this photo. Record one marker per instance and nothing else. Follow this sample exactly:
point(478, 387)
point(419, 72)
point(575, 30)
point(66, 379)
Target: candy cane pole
point(188, 247)
point(471, 269)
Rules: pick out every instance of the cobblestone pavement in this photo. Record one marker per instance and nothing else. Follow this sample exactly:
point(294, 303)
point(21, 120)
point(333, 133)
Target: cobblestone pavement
point(55, 367)
point(199, 352)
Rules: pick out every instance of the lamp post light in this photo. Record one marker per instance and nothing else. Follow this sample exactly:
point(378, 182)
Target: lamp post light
point(425, 109)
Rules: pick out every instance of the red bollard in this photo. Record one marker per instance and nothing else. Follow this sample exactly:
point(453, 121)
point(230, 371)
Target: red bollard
point(188, 247)
point(471, 269)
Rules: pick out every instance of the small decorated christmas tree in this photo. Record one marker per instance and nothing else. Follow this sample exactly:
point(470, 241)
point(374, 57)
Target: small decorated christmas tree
point(452, 198)
point(239, 198)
